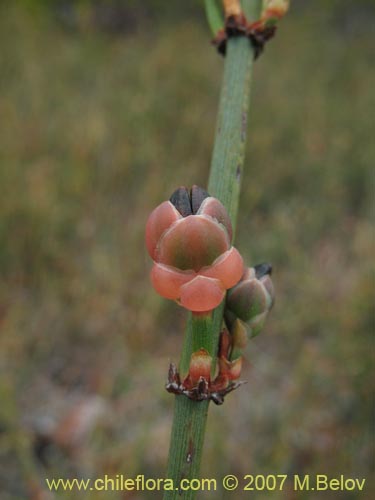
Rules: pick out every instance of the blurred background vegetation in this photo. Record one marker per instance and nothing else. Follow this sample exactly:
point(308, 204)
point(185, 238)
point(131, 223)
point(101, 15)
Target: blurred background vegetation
point(106, 107)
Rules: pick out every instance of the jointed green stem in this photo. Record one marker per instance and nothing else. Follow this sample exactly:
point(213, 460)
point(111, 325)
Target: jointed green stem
point(198, 336)
point(224, 183)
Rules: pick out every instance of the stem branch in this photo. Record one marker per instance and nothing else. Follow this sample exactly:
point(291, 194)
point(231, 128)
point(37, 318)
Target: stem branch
point(224, 183)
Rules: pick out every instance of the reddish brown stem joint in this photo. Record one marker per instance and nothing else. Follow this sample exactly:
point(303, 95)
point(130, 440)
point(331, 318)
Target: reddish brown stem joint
point(237, 25)
point(202, 391)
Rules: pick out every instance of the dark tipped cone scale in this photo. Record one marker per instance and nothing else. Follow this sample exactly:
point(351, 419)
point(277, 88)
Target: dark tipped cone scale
point(181, 200)
point(188, 202)
point(198, 194)
point(262, 269)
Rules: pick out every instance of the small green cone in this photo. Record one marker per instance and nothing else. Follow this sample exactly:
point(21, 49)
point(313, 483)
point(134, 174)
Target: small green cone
point(248, 303)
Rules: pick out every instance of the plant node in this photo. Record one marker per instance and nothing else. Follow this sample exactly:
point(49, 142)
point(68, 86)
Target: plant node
point(202, 391)
point(257, 33)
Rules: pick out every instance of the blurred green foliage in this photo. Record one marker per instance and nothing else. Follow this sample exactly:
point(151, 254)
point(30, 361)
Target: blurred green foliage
point(100, 121)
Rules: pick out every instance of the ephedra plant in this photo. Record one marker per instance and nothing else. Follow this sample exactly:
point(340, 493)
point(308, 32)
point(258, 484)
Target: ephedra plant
point(190, 239)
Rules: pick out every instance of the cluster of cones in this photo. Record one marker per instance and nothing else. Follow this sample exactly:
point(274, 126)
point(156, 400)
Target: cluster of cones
point(189, 238)
point(246, 307)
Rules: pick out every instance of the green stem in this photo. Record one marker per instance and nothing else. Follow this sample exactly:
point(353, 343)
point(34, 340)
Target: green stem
point(214, 15)
point(198, 336)
point(224, 183)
